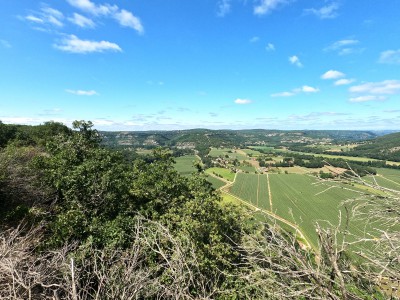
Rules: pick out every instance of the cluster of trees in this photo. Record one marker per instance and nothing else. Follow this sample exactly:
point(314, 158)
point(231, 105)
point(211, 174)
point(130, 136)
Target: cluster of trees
point(80, 221)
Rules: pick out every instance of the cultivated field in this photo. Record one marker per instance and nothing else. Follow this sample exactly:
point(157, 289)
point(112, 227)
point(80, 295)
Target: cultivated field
point(185, 164)
point(301, 200)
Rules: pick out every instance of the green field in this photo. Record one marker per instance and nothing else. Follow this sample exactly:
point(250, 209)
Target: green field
point(185, 164)
point(302, 200)
point(251, 152)
point(252, 188)
point(387, 178)
point(232, 153)
point(216, 183)
point(266, 148)
point(225, 173)
point(249, 169)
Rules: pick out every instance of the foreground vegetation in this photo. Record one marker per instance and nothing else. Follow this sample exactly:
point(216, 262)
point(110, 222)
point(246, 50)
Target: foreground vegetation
point(80, 221)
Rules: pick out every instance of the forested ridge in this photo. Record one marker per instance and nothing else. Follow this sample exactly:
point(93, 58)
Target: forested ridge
point(81, 221)
point(384, 147)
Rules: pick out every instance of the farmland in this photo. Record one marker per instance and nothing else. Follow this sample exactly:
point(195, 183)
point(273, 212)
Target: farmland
point(350, 158)
point(185, 164)
point(301, 200)
point(294, 196)
point(222, 172)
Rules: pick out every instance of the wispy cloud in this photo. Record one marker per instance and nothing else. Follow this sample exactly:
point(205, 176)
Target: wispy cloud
point(46, 15)
point(81, 21)
point(92, 8)
point(266, 6)
point(294, 60)
point(123, 17)
point(73, 44)
point(390, 57)
point(82, 92)
point(374, 91)
point(270, 47)
point(283, 94)
point(325, 12)
point(34, 19)
point(127, 19)
point(5, 44)
point(344, 81)
point(242, 101)
point(254, 39)
point(304, 89)
point(332, 74)
point(223, 7)
point(386, 87)
point(345, 47)
point(367, 98)
point(392, 111)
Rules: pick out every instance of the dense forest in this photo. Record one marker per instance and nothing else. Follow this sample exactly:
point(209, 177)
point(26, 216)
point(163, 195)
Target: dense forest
point(84, 221)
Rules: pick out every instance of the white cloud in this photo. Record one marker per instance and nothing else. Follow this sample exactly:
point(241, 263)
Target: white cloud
point(294, 60)
point(390, 57)
point(344, 81)
point(345, 47)
point(325, 12)
point(270, 47)
point(375, 91)
point(127, 19)
point(332, 74)
point(303, 89)
point(342, 43)
point(242, 101)
point(283, 94)
point(122, 16)
point(53, 16)
point(73, 44)
point(386, 87)
point(266, 6)
point(92, 8)
point(309, 89)
point(34, 19)
point(82, 92)
point(224, 7)
point(367, 98)
point(53, 12)
point(47, 15)
point(81, 21)
point(254, 39)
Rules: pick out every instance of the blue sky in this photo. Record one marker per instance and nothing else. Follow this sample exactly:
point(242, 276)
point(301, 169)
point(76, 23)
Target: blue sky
point(169, 64)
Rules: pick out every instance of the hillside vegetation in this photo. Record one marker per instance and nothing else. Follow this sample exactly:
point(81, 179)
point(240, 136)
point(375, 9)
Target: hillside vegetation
point(386, 147)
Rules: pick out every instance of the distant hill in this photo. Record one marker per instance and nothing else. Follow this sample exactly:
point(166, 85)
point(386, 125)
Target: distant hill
point(230, 138)
point(385, 147)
